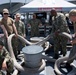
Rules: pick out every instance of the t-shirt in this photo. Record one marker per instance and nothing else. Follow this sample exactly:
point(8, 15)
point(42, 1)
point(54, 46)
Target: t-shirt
point(8, 24)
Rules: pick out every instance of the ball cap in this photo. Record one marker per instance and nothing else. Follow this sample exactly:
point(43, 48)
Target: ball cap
point(5, 11)
point(18, 15)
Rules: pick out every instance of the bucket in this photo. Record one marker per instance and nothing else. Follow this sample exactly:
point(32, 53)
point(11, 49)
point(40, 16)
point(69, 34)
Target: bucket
point(33, 56)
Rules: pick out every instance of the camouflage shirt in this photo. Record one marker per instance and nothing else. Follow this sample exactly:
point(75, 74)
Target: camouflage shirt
point(4, 55)
point(59, 23)
point(20, 27)
point(34, 26)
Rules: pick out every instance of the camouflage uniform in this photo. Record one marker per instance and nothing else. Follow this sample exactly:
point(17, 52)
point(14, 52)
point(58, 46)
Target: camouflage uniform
point(21, 31)
point(34, 27)
point(4, 55)
point(59, 25)
point(20, 27)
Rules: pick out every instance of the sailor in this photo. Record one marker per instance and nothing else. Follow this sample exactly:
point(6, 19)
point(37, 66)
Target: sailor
point(21, 31)
point(7, 24)
point(34, 23)
point(59, 25)
point(72, 16)
point(6, 63)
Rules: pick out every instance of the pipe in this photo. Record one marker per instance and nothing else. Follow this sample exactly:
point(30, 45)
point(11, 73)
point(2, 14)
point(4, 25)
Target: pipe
point(73, 72)
point(66, 35)
point(59, 61)
point(57, 65)
point(44, 40)
point(47, 44)
point(16, 64)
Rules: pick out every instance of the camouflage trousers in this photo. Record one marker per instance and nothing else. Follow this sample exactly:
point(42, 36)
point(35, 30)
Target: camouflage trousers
point(35, 34)
point(17, 45)
point(9, 69)
point(10, 66)
point(60, 44)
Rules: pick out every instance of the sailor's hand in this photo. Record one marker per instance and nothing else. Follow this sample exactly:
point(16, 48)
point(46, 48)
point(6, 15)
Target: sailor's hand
point(73, 41)
point(16, 35)
point(74, 35)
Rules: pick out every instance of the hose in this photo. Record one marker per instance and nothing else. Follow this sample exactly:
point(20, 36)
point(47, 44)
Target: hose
point(62, 59)
point(16, 64)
